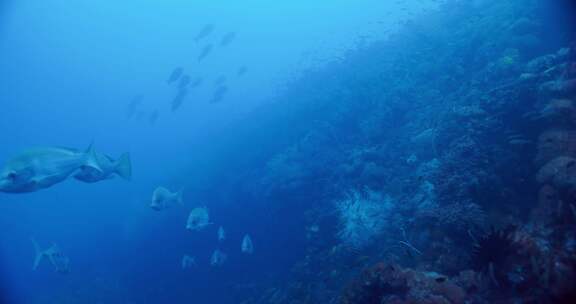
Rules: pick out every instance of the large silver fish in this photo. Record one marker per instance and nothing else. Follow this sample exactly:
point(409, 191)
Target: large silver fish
point(108, 169)
point(42, 168)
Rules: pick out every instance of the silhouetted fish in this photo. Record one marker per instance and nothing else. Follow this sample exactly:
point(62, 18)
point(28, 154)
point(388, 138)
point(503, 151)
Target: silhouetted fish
point(204, 32)
point(140, 115)
point(188, 261)
point(59, 261)
point(184, 81)
point(241, 71)
point(227, 39)
point(176, 74)
point(205, 52)
point(219, 94)
point(247, 245)
point(133, 106)
point(154, 117)
point(179, 99)
point(221, 234)
point(163, 198)
point(220, 80)
point(218, 258)
point(198, 219)
point(197, 82)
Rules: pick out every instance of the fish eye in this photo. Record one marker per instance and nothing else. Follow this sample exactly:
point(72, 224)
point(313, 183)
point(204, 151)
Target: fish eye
point(11, 176)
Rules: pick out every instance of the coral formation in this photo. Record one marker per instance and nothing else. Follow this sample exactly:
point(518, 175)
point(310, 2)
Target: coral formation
point(466, 119)
point(363, 216)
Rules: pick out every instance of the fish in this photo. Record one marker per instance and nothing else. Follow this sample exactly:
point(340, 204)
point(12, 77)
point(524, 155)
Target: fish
point(198, 219)
point(59, 261)
point(247, 246)
point(219, 94)
point(188, 261)
point(221, 234)
point(227, 39)
point(133, 106)
point(205, 52)
point(140, 115)
point(184, 81)
point(218, 258)
point(220, 80)
point(241, 71)
point(41, 168)
point(108, 169)
point(179, 99)
point(153, 118)
point(204, 32)
point(197, 82)
point(175, 75)
point(163, 198)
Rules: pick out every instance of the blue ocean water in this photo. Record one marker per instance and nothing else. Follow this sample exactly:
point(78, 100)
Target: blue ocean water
point(342, 136)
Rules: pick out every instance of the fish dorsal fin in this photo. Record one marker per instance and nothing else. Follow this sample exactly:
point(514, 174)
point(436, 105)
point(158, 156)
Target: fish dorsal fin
point(92, 158)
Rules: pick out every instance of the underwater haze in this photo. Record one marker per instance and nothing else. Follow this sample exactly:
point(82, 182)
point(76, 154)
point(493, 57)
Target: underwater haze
point(351, 152)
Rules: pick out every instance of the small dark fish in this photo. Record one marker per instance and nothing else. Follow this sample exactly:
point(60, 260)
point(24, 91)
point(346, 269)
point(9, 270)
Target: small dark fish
point(241, 71)
point(179, 99)
point(205, 52)
point(140, 115)
point(220, 80)
point(133, 106)
point(176, 74)
point(204, 32)
point(197, 82)
point(184, 81)
point(219, 94)
point(154, 117)
point(227, 39)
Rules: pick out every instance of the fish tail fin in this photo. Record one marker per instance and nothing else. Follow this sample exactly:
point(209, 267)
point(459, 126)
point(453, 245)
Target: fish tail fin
point(91, 158)
point(39, 255)
point(124, 166)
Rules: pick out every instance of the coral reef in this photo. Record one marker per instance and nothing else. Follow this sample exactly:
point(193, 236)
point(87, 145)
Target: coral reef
point(466, 119)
